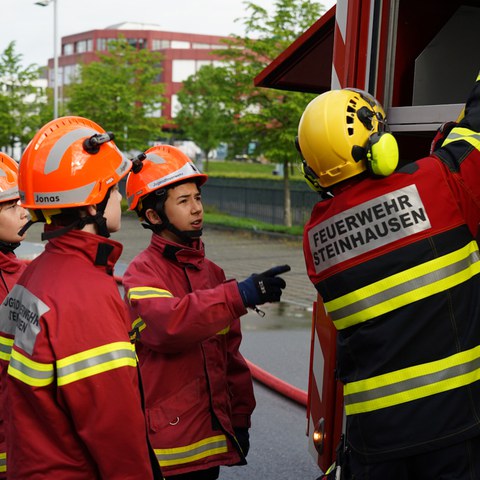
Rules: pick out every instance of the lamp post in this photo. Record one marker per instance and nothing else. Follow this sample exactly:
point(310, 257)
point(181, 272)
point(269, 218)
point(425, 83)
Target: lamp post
point(44, 3)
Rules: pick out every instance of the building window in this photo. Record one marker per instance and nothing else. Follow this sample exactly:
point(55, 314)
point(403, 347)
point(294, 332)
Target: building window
point(182, 69)
point(68, 49)
point(83, 46)
point(103, 43)
point(158, 44)
point(201, 63)
point(179, 44)
point(201, 45)
point(176, 106)
point(138, 43)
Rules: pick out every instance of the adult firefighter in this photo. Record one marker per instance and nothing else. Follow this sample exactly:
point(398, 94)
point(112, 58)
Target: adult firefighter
point(12, 219)
point(394, 256)
point(198, 388)
point(73, 404)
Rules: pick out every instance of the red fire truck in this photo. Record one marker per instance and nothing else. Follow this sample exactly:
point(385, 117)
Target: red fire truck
point(414, 57)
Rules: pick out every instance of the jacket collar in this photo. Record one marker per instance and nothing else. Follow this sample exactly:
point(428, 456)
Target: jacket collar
point(100, 251)
point(9, 262)
point(185, 255)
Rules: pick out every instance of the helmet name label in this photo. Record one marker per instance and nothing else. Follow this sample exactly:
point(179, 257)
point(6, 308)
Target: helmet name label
point(45, 198)
point(367, 226)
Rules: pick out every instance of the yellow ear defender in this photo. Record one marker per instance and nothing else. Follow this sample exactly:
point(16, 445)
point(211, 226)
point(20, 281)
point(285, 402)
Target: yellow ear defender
point(382, 154)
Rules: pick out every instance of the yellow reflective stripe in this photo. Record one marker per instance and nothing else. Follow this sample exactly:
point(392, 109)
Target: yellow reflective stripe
point(3, 462)
point(138, 324)
point(190, 453)
point(461, 133)
point(27, 371)
point(5, 348)
point(138, 293)
point(412, 383)
point(95, 361)
point(224, 331)
point(405, 287)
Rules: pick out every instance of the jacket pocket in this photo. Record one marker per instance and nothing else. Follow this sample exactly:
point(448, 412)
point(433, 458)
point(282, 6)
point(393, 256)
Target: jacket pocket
point(169, 411)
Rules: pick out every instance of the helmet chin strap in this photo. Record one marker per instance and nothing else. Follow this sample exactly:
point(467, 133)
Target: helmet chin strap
point(98, 219)
point(8, 246)
point(187, 236)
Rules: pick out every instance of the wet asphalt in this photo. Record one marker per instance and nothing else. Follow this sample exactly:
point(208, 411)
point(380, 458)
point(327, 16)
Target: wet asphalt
point(279, 342)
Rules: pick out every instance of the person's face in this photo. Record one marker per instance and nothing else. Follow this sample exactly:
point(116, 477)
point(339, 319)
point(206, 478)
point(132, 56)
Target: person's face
point(184, 209)
point(113, 210)
point(12, 218)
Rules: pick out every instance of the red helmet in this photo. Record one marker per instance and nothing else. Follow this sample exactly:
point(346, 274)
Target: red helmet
point(70, 162)
point(8, 178)
point(164, 165)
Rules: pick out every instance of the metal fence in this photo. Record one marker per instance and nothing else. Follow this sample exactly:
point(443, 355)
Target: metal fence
point(261, 200)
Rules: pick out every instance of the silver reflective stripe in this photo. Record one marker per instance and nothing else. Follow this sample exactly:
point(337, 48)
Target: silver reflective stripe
point(61, 146)
point(411, 383)
point(186, 171)
point(155, 158)
point(44, 375)
point(406, 287)
point(146, 292)
point(75, 195)
point(191, 453)
point(9, 194)
point(95, 361)
point(5, 348)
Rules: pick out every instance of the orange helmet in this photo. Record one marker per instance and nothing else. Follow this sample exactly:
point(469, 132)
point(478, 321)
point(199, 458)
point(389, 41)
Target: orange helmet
point(70, 162)
point(163, 165)
point(8, 178)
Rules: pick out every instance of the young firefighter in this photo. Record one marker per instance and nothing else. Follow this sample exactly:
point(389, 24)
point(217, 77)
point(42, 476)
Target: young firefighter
point(395, 258)
point(73, 400)
point(13, 217)
point(198, 388)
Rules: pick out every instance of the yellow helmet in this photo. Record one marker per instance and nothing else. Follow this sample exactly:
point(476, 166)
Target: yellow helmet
point(336, 133)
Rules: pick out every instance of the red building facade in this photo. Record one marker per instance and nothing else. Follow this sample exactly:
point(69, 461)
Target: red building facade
point(183, 54)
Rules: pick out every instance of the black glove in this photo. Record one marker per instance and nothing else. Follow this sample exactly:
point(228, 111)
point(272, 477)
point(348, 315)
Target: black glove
point(261, 288)
point(243, 439)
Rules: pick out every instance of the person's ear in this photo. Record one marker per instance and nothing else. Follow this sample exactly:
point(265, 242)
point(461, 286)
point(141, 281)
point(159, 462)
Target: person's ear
point(152, 216)
point(91, 210)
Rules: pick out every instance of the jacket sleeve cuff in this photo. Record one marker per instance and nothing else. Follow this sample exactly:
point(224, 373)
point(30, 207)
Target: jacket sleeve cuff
point(234, 299)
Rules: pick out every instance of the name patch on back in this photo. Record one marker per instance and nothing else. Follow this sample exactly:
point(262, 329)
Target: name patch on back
point(367, 226)
point(20, 315)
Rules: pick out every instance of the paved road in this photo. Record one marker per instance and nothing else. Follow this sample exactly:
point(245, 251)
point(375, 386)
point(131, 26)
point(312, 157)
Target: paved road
point(278, 343)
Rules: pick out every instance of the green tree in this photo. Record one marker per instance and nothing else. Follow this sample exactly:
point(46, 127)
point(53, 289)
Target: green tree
point(206, 115)
point(21, 102)
point(271, 116)
point(121, 92)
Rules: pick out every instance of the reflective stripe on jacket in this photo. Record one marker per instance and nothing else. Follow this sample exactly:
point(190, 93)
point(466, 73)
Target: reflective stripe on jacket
point(10, 270)
point(396, 262)
point(72, 379)
point(198, 387)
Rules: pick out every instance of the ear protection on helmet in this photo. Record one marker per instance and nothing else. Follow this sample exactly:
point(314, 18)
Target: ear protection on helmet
point(381, 150)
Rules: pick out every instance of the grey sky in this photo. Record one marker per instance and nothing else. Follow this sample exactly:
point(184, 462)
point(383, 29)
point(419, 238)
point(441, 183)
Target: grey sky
point(31, 26)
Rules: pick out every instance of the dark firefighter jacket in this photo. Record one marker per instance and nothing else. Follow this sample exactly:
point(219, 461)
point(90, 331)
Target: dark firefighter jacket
point(198, 387)
point(10, 270)
point(397, 265)
point(73, 401)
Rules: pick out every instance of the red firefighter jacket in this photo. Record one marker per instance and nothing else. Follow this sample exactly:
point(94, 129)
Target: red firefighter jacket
point(197, 385)
point(397, 265)
point(10, 270)
point(73, 401)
